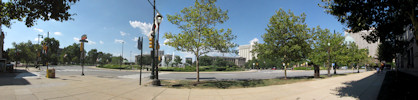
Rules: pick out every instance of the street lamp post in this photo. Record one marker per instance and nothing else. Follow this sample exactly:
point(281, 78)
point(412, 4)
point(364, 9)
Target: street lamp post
point(329, 58)
point(38, 56)
point(121, 61)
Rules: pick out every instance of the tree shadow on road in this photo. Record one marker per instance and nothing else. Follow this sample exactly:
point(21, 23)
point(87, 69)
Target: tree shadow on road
point(11, 79)
point(357, 89)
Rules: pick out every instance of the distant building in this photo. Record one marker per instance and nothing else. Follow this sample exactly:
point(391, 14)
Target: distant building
point(239, 61)
point(245, 52)
point(189, 59)
point(363, 44)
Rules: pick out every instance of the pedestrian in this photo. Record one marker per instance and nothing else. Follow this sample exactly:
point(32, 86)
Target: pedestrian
point(377, 69)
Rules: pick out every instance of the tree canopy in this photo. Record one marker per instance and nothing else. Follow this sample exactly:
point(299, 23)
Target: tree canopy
point(199, 34)
point(387, 19)
point(30, 11)
point(327, 48)
point(287, 38)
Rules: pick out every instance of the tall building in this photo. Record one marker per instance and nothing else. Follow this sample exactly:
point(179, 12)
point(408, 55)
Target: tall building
point(363, 44)
point(408, 58)
point(245, 52)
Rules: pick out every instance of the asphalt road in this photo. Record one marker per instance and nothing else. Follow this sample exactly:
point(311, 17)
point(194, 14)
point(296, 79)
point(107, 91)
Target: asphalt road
point(254, 74)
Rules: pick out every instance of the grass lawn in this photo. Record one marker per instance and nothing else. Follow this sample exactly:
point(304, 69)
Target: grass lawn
point(227, 84)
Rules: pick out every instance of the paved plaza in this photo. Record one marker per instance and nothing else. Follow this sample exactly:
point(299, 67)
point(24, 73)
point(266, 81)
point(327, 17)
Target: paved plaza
point(364, 85)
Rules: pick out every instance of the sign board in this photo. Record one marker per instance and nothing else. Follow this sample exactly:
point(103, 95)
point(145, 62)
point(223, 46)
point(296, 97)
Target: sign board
point(140, 43)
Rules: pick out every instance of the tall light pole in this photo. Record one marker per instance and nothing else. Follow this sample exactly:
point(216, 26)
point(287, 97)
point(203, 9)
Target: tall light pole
point(38, 55)
point(154, 46)
point(121, 61)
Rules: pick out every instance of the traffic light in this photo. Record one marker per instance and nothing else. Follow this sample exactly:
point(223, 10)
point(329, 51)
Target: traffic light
point(158, 46)
point(151, 42)
point(81, 46)
point(159, 58)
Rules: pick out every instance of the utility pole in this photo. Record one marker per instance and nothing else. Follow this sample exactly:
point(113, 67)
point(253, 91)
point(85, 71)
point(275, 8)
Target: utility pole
point(38, 55)
point(335, 65)
point(140, 41)
point(47, 58)
point(121, 61)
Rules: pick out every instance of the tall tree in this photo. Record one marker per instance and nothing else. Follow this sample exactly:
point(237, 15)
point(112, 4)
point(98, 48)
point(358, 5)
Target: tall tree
point(32, 10)
point(104, 58)
point(356, 56)
point(385, 52)
point(327, 48)
point(53, 47)
point(287, 38)
point(71, 54)
point(25, 52)
point(387, 19)
point(199, 33)
point(177, 60)
point(92, 56)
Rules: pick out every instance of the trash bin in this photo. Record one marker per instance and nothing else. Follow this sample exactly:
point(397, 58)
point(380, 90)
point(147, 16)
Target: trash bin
point(50, 73)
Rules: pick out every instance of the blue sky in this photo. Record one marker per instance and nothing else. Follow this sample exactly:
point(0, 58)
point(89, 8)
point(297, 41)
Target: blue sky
point(108, 22)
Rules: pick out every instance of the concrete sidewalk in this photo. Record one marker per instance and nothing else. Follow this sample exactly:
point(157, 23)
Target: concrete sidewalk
point(355, 86)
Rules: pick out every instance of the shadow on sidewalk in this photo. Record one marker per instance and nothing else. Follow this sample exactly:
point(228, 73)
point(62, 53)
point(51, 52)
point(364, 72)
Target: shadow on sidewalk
point(399, 86)
point(357, 89)
point(15, 78)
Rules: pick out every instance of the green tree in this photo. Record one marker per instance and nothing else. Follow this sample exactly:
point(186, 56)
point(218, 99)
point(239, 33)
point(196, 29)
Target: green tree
point(219, 62)
point(104, 58)
point(25, 52)
point(71, 54)
point(177, 60)
point(386, 52)
point(32, 10)
point(386, 18)
point(355, 55)
point(287, 38)
point(205, 60)
point(199, 33)
point(189, 62)
point(53, 47)
point(92, 56)
point(327, 48)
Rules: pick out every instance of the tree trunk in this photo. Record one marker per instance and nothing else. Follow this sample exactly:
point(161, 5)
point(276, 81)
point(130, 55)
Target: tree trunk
point(285, 73)
point(197, 68)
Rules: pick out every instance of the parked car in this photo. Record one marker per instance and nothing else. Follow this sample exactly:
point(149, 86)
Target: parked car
point(344, 67)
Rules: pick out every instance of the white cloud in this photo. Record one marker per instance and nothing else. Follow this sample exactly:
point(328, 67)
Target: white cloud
point(91, 42)
point(135, 39)
point(76, 39)
point(145, 27)
point(58, 33)
point(123, 33)
point(253, 41)
point(36, 39)
point(187, 54)
point(101, 42)
point(119, 41)
point(165, 41)
point(39, 30)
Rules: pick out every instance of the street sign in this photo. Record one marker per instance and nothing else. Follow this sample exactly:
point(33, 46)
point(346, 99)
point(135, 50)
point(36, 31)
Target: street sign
point(139, 43)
